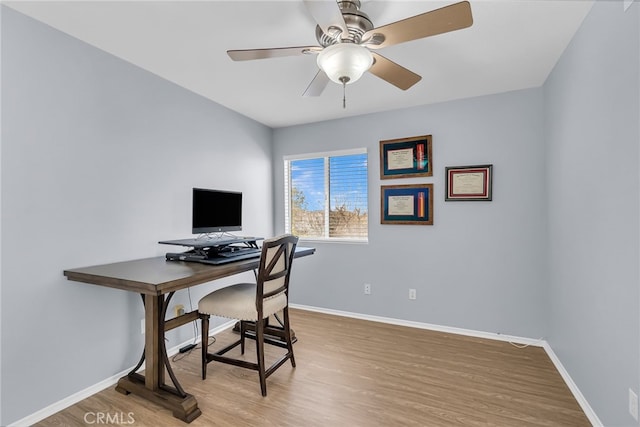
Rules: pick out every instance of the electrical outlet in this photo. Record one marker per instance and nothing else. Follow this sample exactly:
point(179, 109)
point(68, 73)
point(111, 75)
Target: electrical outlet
point(367, 289)
point(633, 404)
point(178, 310)
point(142, 326)
point(412, 294)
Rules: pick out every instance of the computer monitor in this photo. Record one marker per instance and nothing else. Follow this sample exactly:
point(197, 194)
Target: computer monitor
point(216, 211)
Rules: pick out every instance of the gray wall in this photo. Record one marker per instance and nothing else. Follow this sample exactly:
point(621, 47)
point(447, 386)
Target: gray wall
point(559, 245)
point(98, 161)
point(592, 136)
point(482, 265)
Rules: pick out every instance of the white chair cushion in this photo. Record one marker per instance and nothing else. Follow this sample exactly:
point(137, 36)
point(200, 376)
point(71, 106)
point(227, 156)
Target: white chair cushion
point(239, 302)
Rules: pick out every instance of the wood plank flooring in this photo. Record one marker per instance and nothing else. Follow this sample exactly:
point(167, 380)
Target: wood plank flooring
point(358, 373)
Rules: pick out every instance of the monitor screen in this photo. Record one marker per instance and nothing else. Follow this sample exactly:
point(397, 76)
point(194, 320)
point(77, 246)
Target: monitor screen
point(215, 211)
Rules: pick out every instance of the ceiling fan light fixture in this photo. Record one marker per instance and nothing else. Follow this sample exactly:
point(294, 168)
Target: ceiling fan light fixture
point(344, 63)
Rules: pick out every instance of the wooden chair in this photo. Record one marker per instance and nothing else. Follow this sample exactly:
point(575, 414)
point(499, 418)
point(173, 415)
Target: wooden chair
point(252, 304)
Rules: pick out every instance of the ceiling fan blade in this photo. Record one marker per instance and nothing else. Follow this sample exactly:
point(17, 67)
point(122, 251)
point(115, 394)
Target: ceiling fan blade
point(317, 85)
point(393, 73)
point(449, 18)
point(328, 16)
point(248, 54)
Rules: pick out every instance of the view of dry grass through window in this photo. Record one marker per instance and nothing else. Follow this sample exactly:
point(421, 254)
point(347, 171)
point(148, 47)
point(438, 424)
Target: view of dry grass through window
point(344, 221)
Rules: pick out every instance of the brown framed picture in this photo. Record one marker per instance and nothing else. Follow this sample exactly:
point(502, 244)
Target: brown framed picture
point(406, 157)
point(468, 183)
point(406, 204)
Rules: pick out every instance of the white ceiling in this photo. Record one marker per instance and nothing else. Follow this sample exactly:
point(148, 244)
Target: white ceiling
point(513, 44)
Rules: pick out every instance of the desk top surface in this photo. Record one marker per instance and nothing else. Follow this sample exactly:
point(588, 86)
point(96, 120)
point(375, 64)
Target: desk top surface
point(157, 276)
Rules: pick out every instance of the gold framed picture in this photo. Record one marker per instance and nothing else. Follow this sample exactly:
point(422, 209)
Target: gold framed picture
point(410, 204)
point(406, 157)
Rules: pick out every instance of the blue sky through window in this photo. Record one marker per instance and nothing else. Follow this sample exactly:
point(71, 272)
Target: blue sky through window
point(347, 181)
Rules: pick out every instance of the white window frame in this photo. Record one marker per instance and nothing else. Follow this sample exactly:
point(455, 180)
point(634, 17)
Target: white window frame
point(287, 193)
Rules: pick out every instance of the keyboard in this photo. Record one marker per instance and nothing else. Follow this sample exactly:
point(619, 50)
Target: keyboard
point(236, 252)
point(231, 258)
point(227, 255)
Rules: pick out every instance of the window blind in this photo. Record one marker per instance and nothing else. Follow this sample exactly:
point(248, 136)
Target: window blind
point(326, 196)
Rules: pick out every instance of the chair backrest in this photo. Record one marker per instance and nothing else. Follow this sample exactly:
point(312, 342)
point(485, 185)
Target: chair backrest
point(275, 268)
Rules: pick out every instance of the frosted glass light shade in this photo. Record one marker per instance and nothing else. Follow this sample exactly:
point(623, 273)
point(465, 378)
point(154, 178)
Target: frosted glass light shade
point(345, 61)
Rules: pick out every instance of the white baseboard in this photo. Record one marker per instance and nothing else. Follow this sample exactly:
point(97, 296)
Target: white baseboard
point(106, 383)
point(69, 401)
point(582, 401)
point(429, 326)
point(577, 394)
point(89, 391)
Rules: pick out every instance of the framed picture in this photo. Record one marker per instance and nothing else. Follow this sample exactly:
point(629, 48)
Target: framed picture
point(406, 157)
point(406, 204)
point(468, 183)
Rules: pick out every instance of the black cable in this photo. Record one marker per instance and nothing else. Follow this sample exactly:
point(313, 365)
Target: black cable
point(180, 356)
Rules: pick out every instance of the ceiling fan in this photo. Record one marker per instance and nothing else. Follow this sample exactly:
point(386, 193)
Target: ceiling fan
point(348, 41)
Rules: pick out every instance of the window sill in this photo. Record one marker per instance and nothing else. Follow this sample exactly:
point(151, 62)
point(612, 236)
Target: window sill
point(336, 240)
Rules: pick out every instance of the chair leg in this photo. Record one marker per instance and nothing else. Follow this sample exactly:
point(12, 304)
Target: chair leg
point(260, 355)
point(287, 335)
point(204, 343)
point(243, 330)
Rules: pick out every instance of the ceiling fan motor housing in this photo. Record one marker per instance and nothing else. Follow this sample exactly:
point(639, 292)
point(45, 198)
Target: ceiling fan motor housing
point(357, 23)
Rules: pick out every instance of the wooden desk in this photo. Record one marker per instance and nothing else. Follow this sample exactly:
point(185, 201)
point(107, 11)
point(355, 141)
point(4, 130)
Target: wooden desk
point(153, 278)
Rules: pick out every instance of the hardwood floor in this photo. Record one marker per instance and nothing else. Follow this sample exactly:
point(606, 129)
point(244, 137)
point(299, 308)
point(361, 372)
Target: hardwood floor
point(358, 373)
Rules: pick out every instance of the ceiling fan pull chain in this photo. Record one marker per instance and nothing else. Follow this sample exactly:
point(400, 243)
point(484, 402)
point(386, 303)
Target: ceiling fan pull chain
point(344, 81)
point(344, 95)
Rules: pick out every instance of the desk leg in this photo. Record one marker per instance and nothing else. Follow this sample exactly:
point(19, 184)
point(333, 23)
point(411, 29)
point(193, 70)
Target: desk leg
point(151, 386)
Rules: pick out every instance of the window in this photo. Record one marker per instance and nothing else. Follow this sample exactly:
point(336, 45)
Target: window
point(326, 196)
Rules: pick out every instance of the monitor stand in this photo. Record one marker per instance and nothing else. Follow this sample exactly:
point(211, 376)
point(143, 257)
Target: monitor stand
point(212, 242)
point(208, 250)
